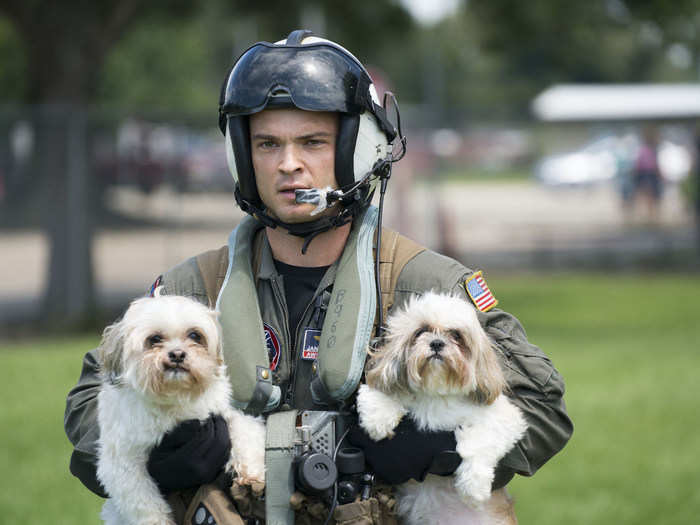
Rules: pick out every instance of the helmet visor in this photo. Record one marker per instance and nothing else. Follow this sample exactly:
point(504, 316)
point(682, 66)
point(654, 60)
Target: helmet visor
point(317, 77)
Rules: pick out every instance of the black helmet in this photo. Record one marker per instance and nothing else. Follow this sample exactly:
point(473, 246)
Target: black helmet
point(313, 74)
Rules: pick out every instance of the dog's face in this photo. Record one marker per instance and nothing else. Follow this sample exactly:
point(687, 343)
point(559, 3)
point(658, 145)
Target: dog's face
point(165, 347)
point(436, 346)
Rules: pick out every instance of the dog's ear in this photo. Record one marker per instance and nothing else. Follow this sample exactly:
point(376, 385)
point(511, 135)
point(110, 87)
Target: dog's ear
point(386, 369)
point(110, 352)
point(490, 381)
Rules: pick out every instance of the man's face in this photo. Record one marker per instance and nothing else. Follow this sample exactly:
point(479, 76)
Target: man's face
point(292, 149)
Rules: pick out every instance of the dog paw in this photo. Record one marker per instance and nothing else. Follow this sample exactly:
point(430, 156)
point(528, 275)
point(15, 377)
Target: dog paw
point(473, 482)
point(378, 413)
point(381, 425)
point(249, 475)
point(377, 434)
point(248, 464)
point(258, 488)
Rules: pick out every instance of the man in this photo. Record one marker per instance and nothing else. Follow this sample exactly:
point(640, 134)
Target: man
point(307, 143)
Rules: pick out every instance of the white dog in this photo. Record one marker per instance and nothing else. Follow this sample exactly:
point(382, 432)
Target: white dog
point(163, 364)
point(438, 365)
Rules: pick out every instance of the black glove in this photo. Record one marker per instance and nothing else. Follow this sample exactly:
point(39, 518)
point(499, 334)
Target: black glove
point(410, 454)
point(190, 455)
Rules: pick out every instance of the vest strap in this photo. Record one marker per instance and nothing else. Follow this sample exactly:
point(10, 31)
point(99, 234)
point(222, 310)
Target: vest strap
point(279, 477)
point(396, 251)
point(347, 328)
point(245, 351)
point(348, 324)
point(212, 266)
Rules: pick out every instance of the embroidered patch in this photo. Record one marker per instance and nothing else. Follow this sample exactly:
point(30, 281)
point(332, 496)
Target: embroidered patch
point(273, 346)
point(153, 292)
point(309, 349)
point(479, 292)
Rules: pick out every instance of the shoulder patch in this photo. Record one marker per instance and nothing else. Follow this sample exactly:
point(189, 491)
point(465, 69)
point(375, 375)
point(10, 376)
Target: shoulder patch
point(479, 292)
point(273, 346)
point(309, 349)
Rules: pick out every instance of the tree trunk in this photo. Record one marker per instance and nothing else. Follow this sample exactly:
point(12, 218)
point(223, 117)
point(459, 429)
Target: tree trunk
point(61, 149)
point(66, 44)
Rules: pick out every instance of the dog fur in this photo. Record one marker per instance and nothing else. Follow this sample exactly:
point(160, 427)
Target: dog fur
point(163, 364)
point(438, 366)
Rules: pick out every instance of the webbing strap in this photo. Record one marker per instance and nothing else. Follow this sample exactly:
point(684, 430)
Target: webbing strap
point(279, 478)
point(396, 251)
point(245, 349)
point(347, 327)
point(212, 267)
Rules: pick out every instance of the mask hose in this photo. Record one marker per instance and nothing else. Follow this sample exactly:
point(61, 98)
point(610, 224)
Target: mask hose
point(384, 179)
point(384, 173)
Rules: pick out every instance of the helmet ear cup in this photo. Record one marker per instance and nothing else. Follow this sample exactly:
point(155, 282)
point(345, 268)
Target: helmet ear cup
point(371, 145)
point(243, 173)
point(256, 81)
point(346, 139)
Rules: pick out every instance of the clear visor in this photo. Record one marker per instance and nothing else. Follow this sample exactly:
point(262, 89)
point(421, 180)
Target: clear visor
point(317, 77)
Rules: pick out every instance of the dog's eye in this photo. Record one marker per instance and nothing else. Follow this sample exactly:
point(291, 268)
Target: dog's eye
point(456, 335)
point(195, 336)
point(420, 332)
point(154, 340)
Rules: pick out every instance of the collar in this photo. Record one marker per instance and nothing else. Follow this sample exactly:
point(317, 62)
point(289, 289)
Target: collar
point(268, 271)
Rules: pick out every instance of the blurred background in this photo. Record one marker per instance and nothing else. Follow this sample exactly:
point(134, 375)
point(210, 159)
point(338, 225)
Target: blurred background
point(553, 144)
point(112, 168)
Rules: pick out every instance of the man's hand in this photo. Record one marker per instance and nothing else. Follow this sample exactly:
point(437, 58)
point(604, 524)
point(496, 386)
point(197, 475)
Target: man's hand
point(410, 454)
point(192, 454)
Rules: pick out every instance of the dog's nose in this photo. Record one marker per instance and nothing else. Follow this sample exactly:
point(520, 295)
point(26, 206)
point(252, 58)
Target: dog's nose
point(436, 345)
point(177, 356)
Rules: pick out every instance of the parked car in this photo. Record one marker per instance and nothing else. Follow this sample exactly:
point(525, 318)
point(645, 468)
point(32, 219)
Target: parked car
point(610, 157)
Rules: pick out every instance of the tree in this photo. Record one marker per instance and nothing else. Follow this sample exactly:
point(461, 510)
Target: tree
point(546, 41)
point(65, 45)
point(74, 57)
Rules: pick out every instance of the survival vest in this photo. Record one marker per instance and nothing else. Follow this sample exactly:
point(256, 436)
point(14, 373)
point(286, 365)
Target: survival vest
point(229, 279)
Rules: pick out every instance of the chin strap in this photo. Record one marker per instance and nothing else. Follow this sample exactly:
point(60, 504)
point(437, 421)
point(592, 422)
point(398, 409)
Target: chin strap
point(307, 230)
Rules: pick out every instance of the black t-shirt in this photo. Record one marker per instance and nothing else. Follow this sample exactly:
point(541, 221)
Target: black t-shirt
point(300, 283)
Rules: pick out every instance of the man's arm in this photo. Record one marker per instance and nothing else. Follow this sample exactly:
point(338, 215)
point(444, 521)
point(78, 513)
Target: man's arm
point(537, 388)
point(534, 384)
point(80, 423)
point(192, 454)
point(80, 419)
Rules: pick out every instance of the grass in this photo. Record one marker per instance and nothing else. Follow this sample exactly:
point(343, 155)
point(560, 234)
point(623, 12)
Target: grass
point(36, 486)
point(628, 349)
point(626, 345)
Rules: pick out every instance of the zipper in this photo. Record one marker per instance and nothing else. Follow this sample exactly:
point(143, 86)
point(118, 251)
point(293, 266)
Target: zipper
point(289, 398)
point(279, 296)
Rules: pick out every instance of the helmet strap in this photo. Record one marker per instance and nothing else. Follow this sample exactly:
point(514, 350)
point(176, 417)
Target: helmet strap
point(307, 230)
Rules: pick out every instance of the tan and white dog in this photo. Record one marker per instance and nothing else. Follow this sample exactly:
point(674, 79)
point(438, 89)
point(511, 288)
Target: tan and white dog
point(438, 366)
point(163, 364)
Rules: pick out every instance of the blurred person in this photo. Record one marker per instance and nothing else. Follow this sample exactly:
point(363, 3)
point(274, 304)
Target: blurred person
point(300, 293)
point(625, 176)
point(647, 178)
point(695, 182)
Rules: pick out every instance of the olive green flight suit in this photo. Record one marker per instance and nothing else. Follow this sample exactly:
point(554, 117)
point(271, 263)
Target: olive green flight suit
point(535, 385)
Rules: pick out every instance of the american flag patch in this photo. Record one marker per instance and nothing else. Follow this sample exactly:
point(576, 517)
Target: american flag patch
point(479, 292)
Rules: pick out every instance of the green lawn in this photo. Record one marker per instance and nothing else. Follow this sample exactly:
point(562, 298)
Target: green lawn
point(36, 486)
point(628, 348)
point(626, 345)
